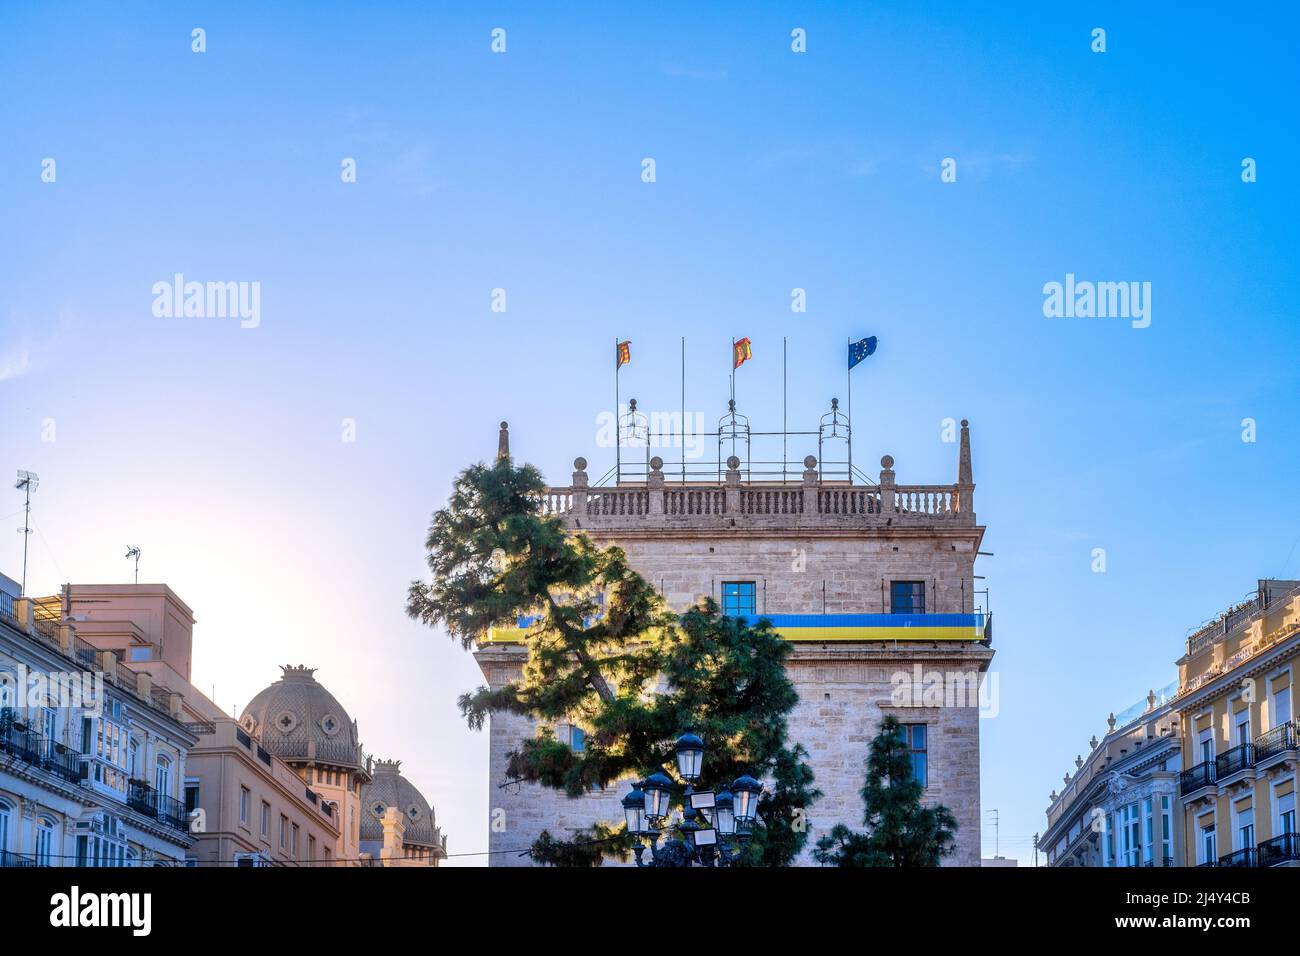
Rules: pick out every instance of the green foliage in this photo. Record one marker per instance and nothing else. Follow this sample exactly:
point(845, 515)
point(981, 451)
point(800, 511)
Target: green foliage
point(900, 831)
point(606, 654)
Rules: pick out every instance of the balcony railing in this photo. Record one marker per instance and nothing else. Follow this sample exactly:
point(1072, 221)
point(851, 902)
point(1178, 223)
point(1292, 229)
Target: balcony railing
point(1248, 856)
point(1276, 741)
point(1280, 849)
point(154, 804)
point(1164, 861)
point(9, 860)
point(1235, 760)
point(1202, 775)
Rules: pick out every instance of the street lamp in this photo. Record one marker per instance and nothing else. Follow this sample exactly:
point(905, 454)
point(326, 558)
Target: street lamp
point(690, 755)
point(657, 789)
point(715, 828)
point(746, 791)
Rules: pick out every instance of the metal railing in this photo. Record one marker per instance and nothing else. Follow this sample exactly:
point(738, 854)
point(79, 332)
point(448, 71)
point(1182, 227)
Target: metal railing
point(10, 860)
point(151, 803)
point(1194, 778)
point(1247, 856)
point(1231, 761)
point(1276, 741)
point(1280, 849)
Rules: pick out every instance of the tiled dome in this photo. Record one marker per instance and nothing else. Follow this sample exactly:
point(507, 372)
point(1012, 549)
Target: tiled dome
point(297, 719)
point(388, 788)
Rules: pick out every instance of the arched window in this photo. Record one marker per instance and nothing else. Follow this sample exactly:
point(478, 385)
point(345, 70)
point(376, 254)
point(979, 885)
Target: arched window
point(45, 851)
point(163, 777)
point(132, 759)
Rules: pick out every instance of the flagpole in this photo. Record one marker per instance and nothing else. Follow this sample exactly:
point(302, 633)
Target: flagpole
point(848, 374)
point(784, 417)
point(683, 409)
point(618, 425)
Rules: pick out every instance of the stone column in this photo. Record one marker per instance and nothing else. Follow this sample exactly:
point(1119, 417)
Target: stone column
point(811, 503)
point(887, 503)
point(579, 486)
point(655, 486)
point(732, 480)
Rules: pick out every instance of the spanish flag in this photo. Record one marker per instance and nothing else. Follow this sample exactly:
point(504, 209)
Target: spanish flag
point(741, 353)
point(623, 354)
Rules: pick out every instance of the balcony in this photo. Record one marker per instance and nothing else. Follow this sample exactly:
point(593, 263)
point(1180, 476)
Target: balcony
point(1279, 850)
point(1197, 778)
point(1249, 856)
point(1164, 861)
point(1234, 761)
point(15, 860)
point(144, 799)
point(1277, 742)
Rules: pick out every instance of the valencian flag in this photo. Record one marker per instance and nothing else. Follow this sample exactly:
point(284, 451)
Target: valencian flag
point(623, 354)
point(741, 353)
point(861, 349)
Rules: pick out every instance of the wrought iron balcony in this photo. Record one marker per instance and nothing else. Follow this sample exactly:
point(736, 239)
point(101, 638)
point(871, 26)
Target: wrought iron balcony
point(1235, 760)
point(151, 803)
point(1164, 861)
point(1248, 856)
point(1280, 849)
point(1277, 741)
point(21, 742)
point(1194, 778)
point(9, 860)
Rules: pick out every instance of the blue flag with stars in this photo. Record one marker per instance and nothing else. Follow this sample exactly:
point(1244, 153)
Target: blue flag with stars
point(861, 349)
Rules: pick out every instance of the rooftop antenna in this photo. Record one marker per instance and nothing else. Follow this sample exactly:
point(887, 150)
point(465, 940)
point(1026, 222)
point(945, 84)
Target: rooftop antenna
point(27, 482)
point(134, 552)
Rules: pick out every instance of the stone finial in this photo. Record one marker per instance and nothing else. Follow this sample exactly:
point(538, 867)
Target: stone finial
point(964, 472)
point(1052, 797)
point(503, 442)
point(387, 766)
point(1151, 700)
point(810, 470)
point(657, 465)
point(733, 463)
point(1078, 761)
point(579, 472)
point(1067, 779)
point(1093, 742)
point(1110, 721)
point(296, 672)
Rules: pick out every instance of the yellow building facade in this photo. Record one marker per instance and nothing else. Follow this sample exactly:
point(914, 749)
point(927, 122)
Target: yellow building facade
point(1236, 706)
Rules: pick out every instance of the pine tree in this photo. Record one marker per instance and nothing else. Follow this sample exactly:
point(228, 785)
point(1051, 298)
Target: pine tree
point(900, 831)
point(606, 655)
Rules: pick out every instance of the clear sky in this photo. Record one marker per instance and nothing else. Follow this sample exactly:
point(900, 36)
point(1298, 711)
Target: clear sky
point(218, 449)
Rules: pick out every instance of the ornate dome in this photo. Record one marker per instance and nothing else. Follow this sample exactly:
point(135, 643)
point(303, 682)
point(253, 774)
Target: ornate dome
point(388, 788)
point(297, 719)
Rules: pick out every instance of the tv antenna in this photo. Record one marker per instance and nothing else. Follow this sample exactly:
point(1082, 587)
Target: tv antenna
point(27, 482)
point(134, 552)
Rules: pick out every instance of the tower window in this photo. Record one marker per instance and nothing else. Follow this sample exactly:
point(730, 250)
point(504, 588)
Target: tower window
point(738, 597)
point(907, 597)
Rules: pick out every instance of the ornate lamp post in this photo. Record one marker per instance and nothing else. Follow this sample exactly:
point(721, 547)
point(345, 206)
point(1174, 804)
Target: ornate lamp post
point(716, 827)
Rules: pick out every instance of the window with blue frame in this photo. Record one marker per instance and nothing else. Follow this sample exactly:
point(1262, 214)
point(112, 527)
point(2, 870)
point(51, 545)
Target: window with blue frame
point(914, 738)
point(907, 597)
point(577, 739)
point(738, 597)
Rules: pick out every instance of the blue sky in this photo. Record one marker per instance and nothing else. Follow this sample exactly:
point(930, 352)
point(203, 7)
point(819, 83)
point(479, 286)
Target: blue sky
point(217, 449)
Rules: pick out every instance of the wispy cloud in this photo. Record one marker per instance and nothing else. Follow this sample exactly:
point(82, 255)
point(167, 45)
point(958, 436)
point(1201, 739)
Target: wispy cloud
point(15, 363)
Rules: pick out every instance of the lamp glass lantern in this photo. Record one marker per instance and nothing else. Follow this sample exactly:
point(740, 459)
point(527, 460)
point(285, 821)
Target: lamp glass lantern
point(690, 755)
point(724, 816)
point(657, 789)
point(634, 810)
point(745, 794)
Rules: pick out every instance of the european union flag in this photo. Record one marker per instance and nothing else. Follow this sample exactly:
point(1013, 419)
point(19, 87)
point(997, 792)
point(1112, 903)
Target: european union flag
point(861, 349)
